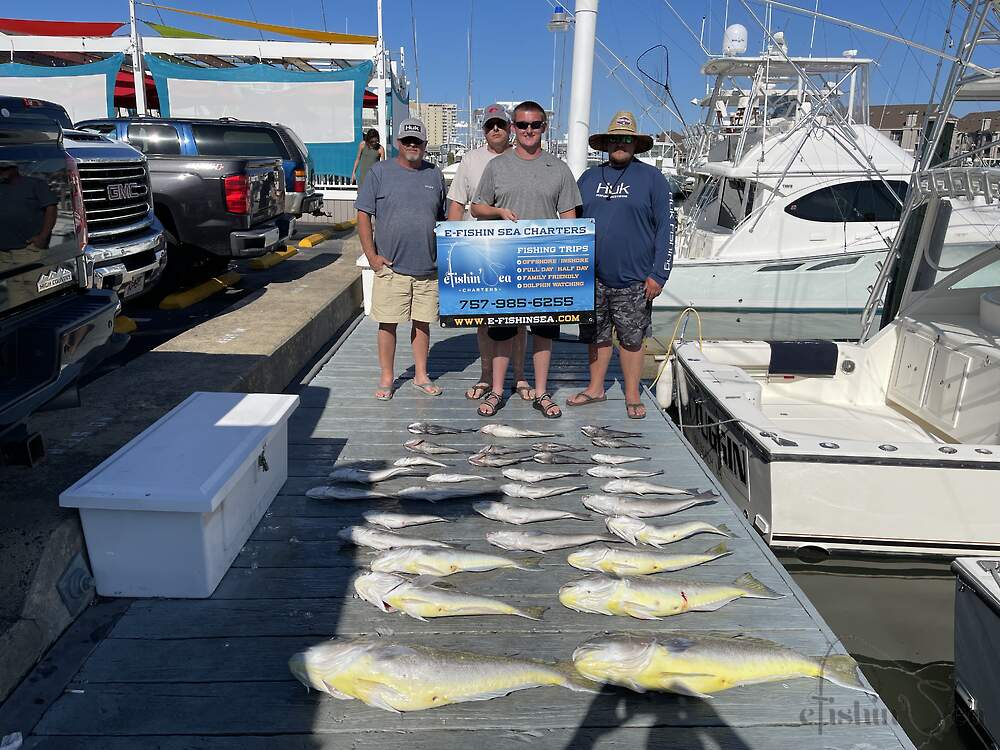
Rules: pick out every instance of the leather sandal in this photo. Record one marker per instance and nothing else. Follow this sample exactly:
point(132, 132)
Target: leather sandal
point(550, 410)
point(491, 405)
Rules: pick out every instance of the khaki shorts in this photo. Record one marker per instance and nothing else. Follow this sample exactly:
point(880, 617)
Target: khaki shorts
point(397, 298)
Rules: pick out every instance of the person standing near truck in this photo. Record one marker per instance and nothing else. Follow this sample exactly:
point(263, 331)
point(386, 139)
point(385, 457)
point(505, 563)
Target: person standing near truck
point(633, 211)
point(406, 197)
point(496, 129)
point(370, 152)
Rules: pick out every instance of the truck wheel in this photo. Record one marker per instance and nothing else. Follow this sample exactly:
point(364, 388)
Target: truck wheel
point(180, 261)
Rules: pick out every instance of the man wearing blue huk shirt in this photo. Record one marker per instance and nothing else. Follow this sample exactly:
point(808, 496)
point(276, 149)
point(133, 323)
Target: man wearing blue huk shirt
point(632, 206)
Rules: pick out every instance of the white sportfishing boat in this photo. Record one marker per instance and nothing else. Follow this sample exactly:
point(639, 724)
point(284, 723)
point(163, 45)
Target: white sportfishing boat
point(891, 445)
point(797, 197)
point(661, 156)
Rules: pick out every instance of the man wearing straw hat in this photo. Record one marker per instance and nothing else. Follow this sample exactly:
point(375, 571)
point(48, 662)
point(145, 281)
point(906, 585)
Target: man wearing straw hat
point(632, 206)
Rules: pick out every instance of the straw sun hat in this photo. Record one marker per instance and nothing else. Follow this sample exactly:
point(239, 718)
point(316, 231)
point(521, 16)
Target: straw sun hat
point(623, 123)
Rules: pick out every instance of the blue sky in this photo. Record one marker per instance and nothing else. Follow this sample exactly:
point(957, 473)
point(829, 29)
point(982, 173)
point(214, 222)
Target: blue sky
point(513, 51)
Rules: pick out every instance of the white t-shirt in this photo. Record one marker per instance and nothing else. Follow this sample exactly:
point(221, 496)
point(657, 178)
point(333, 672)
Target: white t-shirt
point(467, 177)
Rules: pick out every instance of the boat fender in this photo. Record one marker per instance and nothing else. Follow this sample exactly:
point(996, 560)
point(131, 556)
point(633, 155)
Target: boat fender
point(665, 384)
point(682, 388)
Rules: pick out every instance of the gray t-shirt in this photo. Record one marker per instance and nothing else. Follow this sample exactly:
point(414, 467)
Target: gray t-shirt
point(540, 188)
point(470, 171)
point(406, 203)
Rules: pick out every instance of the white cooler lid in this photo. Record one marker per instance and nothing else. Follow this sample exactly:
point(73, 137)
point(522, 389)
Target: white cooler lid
point(188, 460)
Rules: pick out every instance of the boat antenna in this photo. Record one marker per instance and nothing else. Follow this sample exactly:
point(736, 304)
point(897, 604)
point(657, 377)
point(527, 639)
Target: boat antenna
point(468, 127)
point(416, 60)
point(812, 34)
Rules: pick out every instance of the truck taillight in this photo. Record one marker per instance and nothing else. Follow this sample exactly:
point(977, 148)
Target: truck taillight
point(299, 184)
point(79, 210)
point(237, 188)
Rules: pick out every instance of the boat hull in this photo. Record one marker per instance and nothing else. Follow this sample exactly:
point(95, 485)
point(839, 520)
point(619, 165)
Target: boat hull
point(886, 506)
point(821, 283)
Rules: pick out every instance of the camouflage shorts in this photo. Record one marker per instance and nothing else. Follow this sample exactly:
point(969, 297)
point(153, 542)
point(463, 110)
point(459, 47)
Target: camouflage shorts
point(626, 310)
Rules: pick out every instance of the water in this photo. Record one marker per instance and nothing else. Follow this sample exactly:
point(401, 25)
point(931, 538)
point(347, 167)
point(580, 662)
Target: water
point(895, 616)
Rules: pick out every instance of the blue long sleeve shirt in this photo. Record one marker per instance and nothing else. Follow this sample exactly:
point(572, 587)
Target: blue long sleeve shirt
point(634, 213)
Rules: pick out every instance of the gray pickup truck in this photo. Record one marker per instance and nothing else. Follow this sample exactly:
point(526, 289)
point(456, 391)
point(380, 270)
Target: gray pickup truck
point(231, 207)
point(124, 245)
point(51, 330)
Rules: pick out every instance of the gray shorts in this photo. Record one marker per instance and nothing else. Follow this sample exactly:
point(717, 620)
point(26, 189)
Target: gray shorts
point(626, 310)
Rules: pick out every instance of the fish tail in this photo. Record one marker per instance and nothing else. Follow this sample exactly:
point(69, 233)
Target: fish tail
point(530, 613)
point(842, 670)
point(529, 563)
point(724, 530)
point(755, 589)
point(576, 681)
point(719, 550)
point(580, 517)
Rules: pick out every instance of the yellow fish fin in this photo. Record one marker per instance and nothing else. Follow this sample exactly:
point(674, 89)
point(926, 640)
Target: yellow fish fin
point(337, 693)
point(842, 670)
point(639, 612)
point(713, 606)
point(675, 683)
point(377, 694)
point(755, 589)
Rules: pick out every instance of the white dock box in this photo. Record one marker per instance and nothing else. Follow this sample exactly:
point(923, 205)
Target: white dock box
point(977, 644)
point(167, 514)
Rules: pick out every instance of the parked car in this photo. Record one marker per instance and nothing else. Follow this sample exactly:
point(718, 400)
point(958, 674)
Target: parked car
point(51, 329)
point(124, 246)
point(221, 138)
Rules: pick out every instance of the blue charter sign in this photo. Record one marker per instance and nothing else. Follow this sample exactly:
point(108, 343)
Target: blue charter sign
point(502, 273)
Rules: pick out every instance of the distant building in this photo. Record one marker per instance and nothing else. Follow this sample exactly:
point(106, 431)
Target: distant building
point(904, 124)
point(979, 130)
point(439, 119)
point(900, 123)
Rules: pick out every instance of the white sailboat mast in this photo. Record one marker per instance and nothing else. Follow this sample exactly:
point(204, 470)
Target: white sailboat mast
point(137, 69)
point(380, 71)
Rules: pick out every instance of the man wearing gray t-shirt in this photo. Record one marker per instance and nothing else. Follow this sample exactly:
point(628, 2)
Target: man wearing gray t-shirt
point(406, 198)
point(525, 182)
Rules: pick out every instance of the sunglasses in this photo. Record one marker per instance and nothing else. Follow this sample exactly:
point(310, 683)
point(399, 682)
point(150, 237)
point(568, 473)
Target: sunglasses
point(411, 142)
point(619, 139)
point(495, 125)
point(534, 124)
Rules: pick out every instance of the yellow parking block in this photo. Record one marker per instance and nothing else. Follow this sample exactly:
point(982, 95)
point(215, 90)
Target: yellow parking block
point(324, 234)
point(125, 324)
point(272, 259)
point(204, 290)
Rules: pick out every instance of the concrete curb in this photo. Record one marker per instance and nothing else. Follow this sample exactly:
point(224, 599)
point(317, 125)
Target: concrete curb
point(257, 346)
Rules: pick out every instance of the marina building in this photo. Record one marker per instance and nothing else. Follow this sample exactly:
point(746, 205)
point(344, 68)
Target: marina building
point(440, 121)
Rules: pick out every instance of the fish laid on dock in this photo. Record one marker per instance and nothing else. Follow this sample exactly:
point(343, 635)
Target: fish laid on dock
point(632, 562)
point(399, 520)
point(616, 505)
point(634, 487)
point(531, 492)
point(454, 478)
point(418, 461)
point(506, 431)
point(365, 536)
point(521, 514)
point(445, 562)
point(616, 443)
point(428, 448)
point(423, 600)
point(434, 494)
point(619, 472)
point(429, 428)
point(397, 677)
point(636, 531)
point(364, 476)
point(610, 460)
point(546, 457)
point(495, 462)
point(344, 492)
point(603, 431)
point(555, 448)
point(538, 541)
point(533, 477)
point(653, 598)
point(499, 450)
point(699, 665)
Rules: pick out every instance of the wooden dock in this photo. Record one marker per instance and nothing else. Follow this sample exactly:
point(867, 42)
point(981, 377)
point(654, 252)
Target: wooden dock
point(212, 674)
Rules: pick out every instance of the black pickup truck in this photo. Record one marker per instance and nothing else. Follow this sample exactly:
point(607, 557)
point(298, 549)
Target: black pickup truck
point(51, 329)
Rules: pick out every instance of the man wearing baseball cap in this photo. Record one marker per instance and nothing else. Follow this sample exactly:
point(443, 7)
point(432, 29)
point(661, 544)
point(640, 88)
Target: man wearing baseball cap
point(406, 197)
point(496, 129)
point(633, 209)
